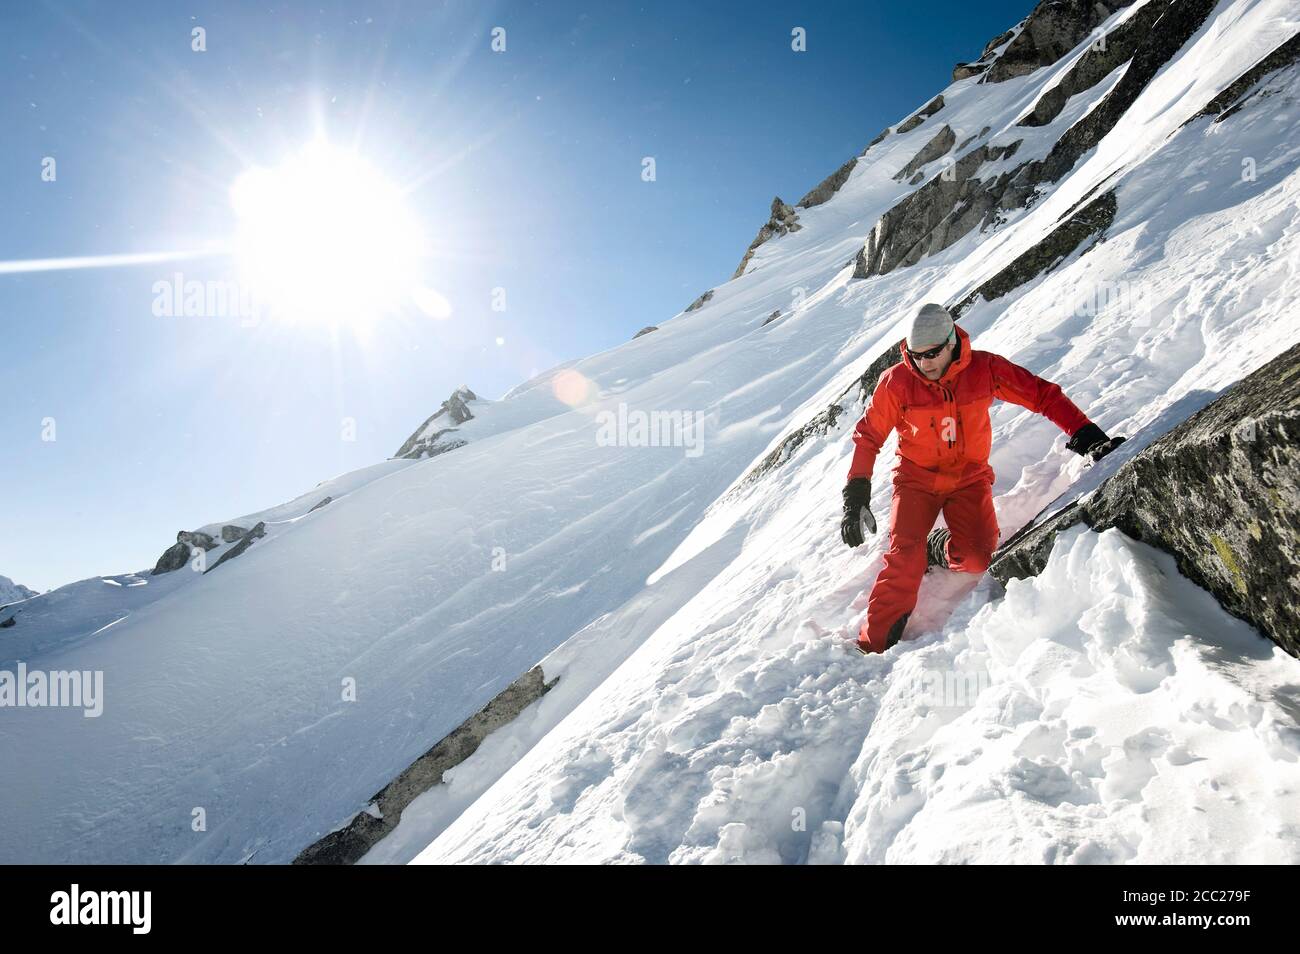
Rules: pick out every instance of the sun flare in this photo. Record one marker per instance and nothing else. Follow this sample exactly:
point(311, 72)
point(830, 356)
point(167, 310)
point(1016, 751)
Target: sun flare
point(325, 236)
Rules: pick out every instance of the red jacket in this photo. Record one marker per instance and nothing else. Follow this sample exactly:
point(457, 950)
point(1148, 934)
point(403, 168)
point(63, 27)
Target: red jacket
point(944, 434)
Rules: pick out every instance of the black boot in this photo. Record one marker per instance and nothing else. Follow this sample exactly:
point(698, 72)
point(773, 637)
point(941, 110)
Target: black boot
point(896, 631)
point(936, 546)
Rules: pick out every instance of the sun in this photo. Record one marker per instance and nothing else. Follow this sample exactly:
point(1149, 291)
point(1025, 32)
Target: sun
point(325, 236)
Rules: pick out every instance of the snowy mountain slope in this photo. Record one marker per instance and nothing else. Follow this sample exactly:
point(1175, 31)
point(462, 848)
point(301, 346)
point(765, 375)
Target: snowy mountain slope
point(693, 633)
point(679, 757)
point(75, 612)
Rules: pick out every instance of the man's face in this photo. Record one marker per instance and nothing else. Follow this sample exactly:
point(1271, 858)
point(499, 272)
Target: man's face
point(933, 367)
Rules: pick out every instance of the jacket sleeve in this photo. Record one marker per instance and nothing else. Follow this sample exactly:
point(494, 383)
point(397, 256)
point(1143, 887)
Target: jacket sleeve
point(1013, 383)
point(881, 416)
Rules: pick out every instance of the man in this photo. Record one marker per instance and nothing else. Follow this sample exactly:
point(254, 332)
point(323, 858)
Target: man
point(937, 398)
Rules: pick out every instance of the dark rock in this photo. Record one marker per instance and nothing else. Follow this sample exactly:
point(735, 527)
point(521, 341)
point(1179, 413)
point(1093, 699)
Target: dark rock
point(1092, 219)
point(348, 844)
point(321, 503)
point(196, 538)
point(772, 317)
point(830, 185)
point(1220, 492)
point(1054, 28)
point(645, 331)
point(930, 108)
point(783, 219)
point(1234, 96)
point(935, 215)
point(966, 70)
point(943, 210)
point(232, 532)
point(938, 146)
point(244, 543)
point(879, 138)
point(454, 410)
point(178, 554)
point(8, 621)
point(1096, 63)
point(701, 301)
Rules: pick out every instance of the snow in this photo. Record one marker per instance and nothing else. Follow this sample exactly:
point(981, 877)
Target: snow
point(705, 711)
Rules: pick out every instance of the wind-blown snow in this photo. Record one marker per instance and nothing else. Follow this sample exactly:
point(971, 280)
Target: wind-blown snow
point(703, 696)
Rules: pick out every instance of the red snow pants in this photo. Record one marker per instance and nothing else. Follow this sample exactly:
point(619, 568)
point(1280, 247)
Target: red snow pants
point(968, 509)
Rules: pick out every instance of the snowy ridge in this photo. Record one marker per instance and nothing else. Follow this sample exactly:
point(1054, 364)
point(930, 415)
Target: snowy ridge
point(703, 701)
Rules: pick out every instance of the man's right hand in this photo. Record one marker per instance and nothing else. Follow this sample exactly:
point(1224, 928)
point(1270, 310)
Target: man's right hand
point(857, 511)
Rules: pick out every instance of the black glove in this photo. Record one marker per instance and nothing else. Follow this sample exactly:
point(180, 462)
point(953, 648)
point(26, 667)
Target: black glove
point(1091, 441)
point(857, 511)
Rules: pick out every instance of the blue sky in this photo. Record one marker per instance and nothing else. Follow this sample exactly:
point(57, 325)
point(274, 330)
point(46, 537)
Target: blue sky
point(523, 167)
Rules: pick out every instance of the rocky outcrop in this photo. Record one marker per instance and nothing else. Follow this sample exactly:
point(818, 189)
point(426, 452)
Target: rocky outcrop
point(966, 70)
point(323, 502)
point(1091, 220)
point(242, 546)
point(427, 441)
point(928, 110)
point(645, 331)
point(11, 592)
point(943, 141)
point(1054, 28)
point(1096, 63)
point(380, 816)
point(783, 219)
point(1234, 97)
point(935, 215)
point(232, 532)
point(701, 301)
point(772, 317)
point(178, 554)
point(946, 209)
point(830, 185)
point(1220, 493)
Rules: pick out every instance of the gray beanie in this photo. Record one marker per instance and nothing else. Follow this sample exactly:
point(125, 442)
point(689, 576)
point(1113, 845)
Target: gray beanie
point(931, 326)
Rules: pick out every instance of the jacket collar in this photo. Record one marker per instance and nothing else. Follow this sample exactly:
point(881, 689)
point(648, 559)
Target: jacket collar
point(958, 364)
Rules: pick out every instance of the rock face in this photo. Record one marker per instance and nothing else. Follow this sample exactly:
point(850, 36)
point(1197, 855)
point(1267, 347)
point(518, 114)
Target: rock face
point(943, 140)
point(1091, 220)
point(1234, 97)
point(232, 532)
point(178, 554)
point(239, 548)
point(1098, 62)
point(935, 215)
point(831, 184)
point(645, 331)
point(783, 219)
point(1220, 492)
point(427, 440)
point(946, 209)
point(966, 70)
point(928, 110)
point(348, 844)
point(701, 301)
point(1054, 28)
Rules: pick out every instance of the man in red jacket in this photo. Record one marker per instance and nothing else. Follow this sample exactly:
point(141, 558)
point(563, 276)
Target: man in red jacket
point(937, 398)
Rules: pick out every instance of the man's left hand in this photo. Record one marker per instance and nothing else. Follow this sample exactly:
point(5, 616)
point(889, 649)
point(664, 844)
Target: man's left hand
point(1091, 441)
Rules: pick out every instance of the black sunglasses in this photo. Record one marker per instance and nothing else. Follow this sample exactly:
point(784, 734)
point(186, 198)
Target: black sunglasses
point(932, 353)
